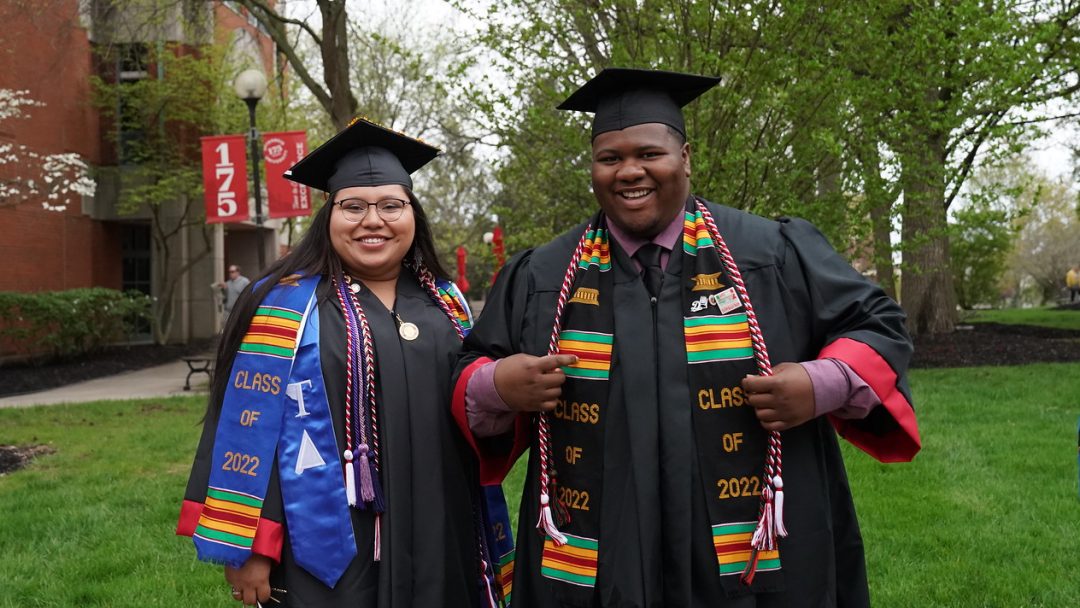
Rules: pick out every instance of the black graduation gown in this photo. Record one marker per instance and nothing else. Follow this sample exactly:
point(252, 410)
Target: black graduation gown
point(655, 546)
point(429, 543)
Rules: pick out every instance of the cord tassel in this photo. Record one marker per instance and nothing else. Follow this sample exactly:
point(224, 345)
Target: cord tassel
point(367, 493)
point(747, 577)
point(778, 501)
point(378, 538)
point(350, 478)
point(765, 534)
point(547, 524)
point(492, 602)
point(377, 503)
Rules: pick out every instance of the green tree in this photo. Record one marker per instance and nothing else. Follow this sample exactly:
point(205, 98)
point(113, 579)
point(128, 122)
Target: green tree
point(1045, 246)
point(158, 121)
point(291, 35)
point(851, 115)
point(981, 239)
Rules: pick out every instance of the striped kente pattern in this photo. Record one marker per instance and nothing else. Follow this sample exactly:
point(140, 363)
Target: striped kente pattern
point(695, 233)
point(506, 575)
point(593, 350)
point(456, 308)
point(229, 518)
point(596, 251)
point(717, 338)
point(732, 542)
point(273, 332)
point(574, 562)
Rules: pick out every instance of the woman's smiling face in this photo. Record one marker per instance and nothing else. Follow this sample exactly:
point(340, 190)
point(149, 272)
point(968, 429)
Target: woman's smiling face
point(371, 248)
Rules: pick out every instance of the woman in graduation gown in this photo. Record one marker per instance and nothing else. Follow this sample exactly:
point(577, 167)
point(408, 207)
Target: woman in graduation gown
point(329, 472)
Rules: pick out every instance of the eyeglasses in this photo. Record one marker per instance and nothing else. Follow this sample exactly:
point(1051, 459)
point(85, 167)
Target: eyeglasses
point(355, 209)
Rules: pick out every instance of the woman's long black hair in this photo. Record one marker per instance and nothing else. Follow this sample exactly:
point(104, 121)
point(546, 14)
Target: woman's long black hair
point(313, 255)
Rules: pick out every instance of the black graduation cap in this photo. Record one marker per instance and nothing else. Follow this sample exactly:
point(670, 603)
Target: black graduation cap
point(624, 97)
point(362, 154)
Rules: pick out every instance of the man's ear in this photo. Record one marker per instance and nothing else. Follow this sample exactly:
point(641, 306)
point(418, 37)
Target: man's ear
point(686, 158)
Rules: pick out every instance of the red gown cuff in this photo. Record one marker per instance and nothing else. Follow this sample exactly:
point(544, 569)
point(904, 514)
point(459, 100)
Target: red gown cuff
point(269, 535)
point(902, 442)
point(493, 465)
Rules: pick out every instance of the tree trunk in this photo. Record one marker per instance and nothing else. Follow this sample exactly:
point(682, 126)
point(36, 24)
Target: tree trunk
point(880, 201)
point(335, 60)
point(929, 297)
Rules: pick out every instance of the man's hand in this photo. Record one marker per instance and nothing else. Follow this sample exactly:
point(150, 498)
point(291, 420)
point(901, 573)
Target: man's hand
point(528, 383)
point(252, 580)
point(782, 400)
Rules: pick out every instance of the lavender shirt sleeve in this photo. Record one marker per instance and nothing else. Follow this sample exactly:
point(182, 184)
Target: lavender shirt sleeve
point(838, 390)
point(486, 411)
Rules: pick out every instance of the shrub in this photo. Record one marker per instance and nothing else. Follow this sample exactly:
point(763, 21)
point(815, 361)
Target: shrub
point(68, 323)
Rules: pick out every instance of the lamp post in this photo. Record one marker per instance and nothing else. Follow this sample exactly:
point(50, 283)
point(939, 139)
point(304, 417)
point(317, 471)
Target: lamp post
point(250, 85)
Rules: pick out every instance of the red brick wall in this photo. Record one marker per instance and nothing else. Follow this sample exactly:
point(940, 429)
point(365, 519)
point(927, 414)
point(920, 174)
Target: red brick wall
point(46, 52)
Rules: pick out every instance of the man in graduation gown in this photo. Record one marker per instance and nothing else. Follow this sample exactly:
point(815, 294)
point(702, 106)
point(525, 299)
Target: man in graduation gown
point(678, 369)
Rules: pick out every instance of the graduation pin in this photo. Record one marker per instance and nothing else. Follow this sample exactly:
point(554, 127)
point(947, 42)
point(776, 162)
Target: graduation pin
point(407, 331)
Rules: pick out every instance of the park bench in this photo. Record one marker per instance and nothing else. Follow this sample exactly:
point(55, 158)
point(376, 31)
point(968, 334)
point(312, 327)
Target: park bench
point(199, 364)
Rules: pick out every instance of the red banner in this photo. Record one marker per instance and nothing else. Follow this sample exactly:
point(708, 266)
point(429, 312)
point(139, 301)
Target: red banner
point(224, 164)
point(281, 151)
point(462, 282)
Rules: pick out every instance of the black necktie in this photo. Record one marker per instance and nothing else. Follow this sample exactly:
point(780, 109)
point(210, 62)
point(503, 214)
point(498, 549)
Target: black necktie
point(651, 272)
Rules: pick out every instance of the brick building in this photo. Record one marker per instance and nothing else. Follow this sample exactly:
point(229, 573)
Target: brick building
point(50, 48)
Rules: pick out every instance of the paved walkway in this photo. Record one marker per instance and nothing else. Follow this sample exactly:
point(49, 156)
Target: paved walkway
point(165, 380)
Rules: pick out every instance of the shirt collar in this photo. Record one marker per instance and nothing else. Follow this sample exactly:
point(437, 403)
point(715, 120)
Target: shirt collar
point(666, 238)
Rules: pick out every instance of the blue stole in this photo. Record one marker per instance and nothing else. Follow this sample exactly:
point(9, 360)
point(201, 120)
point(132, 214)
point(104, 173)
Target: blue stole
point(276, 403)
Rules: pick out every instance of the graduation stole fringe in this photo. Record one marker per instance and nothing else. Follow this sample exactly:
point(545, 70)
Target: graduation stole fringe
point(723, 343)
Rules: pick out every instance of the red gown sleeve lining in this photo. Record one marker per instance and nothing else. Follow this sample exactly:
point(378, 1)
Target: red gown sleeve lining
point(269, 535)
point(901, 443)
point(493, 466)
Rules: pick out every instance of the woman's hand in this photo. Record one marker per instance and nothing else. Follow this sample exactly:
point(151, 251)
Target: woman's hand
point(250, 582)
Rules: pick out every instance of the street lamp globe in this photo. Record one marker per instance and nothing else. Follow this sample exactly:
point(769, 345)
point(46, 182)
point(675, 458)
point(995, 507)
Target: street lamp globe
point(250, 85)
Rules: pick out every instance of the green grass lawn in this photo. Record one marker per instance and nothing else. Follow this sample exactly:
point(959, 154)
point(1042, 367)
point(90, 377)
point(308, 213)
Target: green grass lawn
point(987, 515)
point(1043, 317)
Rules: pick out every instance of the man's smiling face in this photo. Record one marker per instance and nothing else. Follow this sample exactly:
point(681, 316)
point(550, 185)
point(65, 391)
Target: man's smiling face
point(641, 177)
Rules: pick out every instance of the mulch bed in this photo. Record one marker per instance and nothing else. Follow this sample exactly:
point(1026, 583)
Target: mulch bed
point(15, 457)
point(995, 344)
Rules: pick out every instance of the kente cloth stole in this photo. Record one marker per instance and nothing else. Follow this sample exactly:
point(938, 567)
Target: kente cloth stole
point(276, 403)
point(732, 446)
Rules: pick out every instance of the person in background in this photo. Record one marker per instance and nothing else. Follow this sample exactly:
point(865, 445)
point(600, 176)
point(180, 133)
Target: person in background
point(1072, 282)
point(232, 287)
point(330, 472)
point(677, 369)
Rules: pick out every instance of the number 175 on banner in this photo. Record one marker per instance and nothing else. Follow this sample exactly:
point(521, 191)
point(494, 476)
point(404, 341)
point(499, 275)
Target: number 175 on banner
point(224, 164)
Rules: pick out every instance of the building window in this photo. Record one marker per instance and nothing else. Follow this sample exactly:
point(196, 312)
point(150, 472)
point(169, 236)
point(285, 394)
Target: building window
point(135, 255)
point(132, 62)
